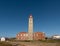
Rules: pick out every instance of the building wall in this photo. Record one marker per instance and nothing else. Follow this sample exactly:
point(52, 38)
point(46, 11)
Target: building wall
point(39, 36)
point(25, 36)
point(22, 36)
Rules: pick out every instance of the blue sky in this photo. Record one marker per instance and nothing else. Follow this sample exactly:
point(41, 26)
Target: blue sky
point(14, 16)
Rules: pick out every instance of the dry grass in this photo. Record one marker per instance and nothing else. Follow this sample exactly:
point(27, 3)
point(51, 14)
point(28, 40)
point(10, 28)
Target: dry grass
point(39, 44)
point(31, 43)
point(5, 44)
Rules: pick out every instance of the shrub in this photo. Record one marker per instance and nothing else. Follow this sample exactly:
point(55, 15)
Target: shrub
point(5, 44)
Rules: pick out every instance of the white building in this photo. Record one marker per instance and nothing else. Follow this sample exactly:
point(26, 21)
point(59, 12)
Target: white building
point(56, 37)
point(2, 38)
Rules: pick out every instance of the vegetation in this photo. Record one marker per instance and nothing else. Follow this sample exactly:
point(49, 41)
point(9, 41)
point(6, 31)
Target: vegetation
point(31, 41)
point(47, 40)
point(5, 44)
point(51, 41)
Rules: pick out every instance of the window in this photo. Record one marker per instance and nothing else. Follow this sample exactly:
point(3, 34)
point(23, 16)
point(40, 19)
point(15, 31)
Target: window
point(18, 38)
point(18, 34)
point(21, 34)
point(36, 34)
point(24, 34)
point(21, 37)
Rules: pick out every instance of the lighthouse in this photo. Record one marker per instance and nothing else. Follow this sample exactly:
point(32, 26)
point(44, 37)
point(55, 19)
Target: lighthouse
point(30, 28)
point(30, 35)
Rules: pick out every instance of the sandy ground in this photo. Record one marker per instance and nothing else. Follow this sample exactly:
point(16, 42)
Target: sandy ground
point(39, 44)
point(35, 44)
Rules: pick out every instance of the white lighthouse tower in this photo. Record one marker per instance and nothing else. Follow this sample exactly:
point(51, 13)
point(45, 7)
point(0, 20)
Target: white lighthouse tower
point(30, 28)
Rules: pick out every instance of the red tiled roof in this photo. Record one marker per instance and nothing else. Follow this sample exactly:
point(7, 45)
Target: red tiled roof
point(22, 32)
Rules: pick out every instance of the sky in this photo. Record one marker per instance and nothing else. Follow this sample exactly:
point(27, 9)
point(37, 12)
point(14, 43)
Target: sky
point(14, 16)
